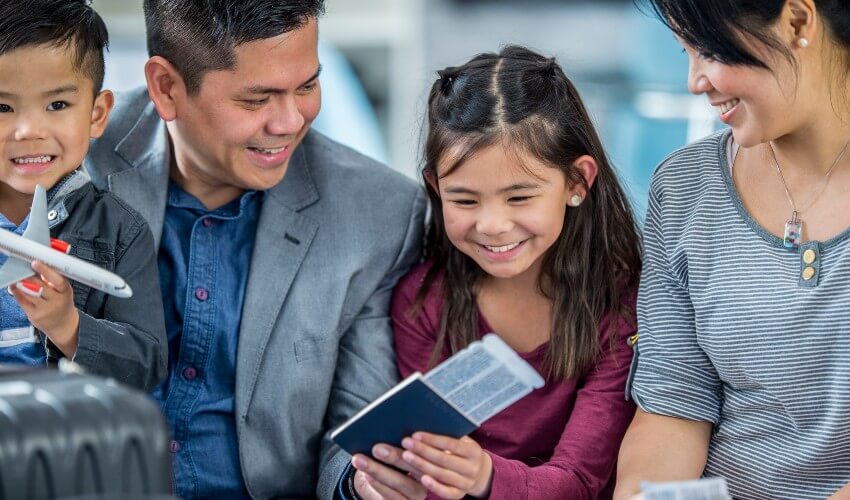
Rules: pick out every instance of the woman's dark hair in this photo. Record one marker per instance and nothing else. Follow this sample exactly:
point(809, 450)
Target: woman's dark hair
point(198, 37)
point(715, 27)
point(57, 23)
point(525, 101)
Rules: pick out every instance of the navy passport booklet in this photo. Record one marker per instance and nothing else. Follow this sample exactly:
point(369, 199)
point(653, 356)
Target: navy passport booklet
point(452, 399)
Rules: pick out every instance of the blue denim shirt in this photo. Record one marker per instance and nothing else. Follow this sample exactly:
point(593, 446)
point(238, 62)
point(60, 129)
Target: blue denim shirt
point(18, 342)
point(204, 258)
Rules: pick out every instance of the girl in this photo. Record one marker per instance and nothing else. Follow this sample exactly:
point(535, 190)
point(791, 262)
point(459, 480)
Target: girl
point(742, 369)
point(531, 238)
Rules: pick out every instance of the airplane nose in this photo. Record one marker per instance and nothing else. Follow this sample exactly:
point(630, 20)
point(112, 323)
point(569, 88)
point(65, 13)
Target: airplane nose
point(124, 291)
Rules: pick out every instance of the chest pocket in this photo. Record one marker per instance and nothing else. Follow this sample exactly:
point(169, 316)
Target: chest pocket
point(97, 253)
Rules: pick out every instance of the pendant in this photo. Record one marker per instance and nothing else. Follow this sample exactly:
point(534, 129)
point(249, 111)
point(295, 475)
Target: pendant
point(793, 232)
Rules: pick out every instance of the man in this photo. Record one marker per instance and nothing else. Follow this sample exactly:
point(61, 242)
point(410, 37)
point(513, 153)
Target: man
point(278, 248)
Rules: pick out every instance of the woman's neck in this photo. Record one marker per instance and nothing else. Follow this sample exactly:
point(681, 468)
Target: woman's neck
point(813, 148)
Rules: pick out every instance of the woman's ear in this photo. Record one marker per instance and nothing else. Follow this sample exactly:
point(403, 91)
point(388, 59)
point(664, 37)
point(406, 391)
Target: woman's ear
point(165, 86)
point(588, 168)
point(799, 18)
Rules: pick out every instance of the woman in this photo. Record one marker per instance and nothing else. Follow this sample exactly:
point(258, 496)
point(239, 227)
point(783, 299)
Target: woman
point(742, 367)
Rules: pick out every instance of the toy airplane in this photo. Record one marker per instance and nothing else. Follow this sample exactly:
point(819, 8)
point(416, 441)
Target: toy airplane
point(36, 244)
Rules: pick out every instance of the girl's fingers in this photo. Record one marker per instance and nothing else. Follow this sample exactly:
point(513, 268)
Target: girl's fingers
point(420, 449)
point(449, 476)
point(364, 488)
point(464, 447)
point(381, 476)
point(441, 489)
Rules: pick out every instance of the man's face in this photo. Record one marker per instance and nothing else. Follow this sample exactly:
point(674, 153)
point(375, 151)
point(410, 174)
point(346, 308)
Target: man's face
point(238, 132)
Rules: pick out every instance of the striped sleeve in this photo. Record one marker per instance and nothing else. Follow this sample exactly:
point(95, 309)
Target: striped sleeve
point(671, 374)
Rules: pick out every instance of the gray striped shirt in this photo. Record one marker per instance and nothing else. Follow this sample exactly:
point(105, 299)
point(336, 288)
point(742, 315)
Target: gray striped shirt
point(732, 333)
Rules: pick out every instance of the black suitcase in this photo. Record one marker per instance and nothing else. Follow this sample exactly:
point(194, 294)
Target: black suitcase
point(65, 435)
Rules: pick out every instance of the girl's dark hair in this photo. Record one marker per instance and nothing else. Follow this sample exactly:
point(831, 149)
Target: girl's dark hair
point(525, 101)
point(714, 27)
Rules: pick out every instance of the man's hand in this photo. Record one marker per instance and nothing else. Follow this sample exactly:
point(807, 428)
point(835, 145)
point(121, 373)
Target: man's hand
point(374, 480)
point(450, 468)
point(53, 312)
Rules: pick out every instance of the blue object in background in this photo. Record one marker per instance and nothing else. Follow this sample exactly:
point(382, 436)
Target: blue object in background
point(657, 115)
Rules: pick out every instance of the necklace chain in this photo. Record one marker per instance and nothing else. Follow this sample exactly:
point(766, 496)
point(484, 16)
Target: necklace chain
point(826, 177)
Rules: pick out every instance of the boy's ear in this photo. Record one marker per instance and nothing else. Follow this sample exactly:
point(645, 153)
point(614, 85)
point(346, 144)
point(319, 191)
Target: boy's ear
point(103, 103)
point(165, 86)
point(588, 168)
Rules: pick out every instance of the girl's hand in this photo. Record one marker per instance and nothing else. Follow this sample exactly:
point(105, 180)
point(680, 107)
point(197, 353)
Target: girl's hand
point(375, 481)
point(451, 468)
point(53, 312)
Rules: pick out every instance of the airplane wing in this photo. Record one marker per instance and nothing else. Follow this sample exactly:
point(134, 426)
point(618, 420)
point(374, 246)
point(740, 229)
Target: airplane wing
point(15, 270)
point(37, 228)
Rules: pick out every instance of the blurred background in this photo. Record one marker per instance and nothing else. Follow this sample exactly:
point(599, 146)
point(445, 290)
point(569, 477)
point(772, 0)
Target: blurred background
point(380, 57)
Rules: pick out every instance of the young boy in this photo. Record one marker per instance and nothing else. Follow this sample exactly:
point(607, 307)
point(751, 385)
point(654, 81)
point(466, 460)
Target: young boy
point(51, 104)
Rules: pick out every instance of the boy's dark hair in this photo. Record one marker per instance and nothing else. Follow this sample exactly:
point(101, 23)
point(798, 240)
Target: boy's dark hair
point(71, 23)
point(524, 101)
point(197, 37)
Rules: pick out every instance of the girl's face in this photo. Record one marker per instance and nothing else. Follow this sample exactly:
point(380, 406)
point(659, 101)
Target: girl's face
point(759, 105)
point(502, 214)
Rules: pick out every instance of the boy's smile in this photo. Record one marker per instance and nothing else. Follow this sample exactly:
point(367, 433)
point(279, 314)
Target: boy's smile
point(48, 113)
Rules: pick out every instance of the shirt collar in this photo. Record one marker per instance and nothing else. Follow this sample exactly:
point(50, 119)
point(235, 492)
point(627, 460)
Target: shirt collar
point(179, 198)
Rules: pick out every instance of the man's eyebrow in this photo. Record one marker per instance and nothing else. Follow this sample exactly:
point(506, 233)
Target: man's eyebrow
point(512, 187)
point(259, 89)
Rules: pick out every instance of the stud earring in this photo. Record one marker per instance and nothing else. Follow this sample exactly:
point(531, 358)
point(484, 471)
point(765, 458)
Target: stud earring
point(575, 200)
point(803, 42)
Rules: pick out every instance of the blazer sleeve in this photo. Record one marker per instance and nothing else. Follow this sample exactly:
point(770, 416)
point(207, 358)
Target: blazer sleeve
point(125, 339)
point(366, 363)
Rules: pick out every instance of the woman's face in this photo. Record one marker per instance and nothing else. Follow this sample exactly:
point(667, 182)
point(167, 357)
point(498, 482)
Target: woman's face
point(758, 104)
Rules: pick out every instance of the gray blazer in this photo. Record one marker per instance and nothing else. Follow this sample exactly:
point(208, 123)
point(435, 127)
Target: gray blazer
point(315, 344)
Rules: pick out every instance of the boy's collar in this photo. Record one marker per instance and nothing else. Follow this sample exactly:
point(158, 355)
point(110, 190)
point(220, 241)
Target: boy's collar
point(67, 185)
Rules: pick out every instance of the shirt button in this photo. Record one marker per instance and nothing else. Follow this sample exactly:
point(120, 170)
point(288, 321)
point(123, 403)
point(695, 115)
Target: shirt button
point(808, 273)
point(189, 373)
point(207, 222)
point(809, 256)
point(174, 446)
point(201, 294)
point(51, 215)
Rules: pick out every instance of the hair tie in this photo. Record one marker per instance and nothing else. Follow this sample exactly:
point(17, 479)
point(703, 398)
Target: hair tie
point(549, 67)
point(446, 80)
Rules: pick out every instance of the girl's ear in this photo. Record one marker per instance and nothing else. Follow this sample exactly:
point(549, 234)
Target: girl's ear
point(431, 179)
point(588, 168)
point(798, 20)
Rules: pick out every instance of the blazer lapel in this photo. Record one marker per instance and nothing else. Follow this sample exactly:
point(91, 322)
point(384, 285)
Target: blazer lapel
point(282, 241)
point(145, 186)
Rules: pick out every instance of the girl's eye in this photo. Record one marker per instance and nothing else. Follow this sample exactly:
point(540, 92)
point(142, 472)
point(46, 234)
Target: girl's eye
point(464, 203)
point(57, 105)
point(518, 199)
point(5, 108)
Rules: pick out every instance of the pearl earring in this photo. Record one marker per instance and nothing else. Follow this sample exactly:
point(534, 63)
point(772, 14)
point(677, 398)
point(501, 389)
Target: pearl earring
point(576, 200)
point(803, 42)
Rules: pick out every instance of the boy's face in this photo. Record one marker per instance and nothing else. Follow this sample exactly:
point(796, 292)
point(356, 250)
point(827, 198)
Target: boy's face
point(48, 113)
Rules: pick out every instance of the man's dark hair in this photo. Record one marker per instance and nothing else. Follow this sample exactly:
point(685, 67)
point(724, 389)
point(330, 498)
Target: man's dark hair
point(197, 37)
point(57, 23)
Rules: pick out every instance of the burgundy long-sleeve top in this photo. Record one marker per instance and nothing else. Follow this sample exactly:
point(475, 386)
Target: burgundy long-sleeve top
point(560, 441)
